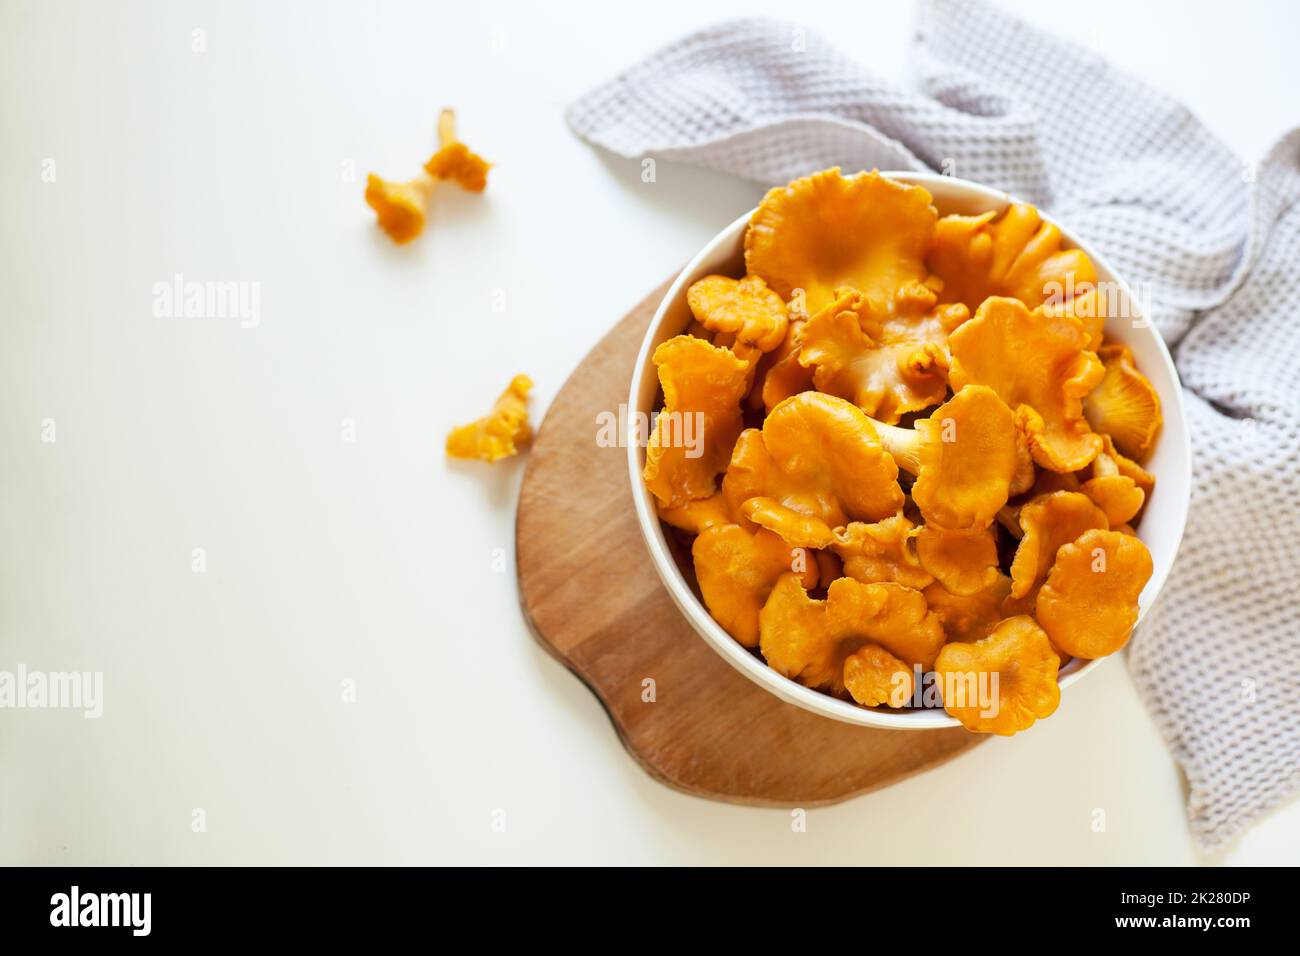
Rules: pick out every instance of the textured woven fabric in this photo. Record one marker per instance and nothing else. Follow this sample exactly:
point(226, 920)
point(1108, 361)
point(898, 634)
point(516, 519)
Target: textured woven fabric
point(1213, 243)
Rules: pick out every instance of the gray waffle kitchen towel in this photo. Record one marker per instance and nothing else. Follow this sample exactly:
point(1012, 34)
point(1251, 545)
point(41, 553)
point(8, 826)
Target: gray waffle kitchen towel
point(1213, 242)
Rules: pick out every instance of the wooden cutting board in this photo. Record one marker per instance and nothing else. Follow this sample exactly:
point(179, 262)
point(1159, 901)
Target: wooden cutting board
point(594, 601)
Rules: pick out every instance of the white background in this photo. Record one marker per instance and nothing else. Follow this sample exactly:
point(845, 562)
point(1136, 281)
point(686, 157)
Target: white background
point(373, 561)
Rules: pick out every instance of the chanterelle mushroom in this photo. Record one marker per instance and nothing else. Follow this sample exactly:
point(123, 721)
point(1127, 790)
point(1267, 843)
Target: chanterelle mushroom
point(1048, 522)
point(744, 308)
point(964, 458)
point(887, 367)
point(1089, 603)
point(809, 640)
point(1043, 378)
point(401, 208)
point(827, 230)
point(873, 677)
point(1025, 664)
point(884, 551)
point(499, 433)
point(1124, 405)
point(454, 160)
point(692, 439)
point(1013, 254)
point(964, 562)
point(815, 465)
point(969, 617)
point(736, 569)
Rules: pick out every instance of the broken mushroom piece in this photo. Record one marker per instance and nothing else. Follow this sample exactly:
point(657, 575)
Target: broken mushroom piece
point(401, 208)
point(827, 230)
point(454, 160)
point(1043, 377)
point(1089, 603)
point(736, 569)
point(816, 464)
point(499, 433)
point(1018, 653)
point(965, 458)
point(1049, 522)
point(1124, 405)
point(744, 308)
point(693, 435)
point(809, 640)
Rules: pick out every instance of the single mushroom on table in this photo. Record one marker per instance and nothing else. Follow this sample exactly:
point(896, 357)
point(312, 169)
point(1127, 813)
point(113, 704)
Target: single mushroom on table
point(455, 160)
point(401, 207)
point(501, 432)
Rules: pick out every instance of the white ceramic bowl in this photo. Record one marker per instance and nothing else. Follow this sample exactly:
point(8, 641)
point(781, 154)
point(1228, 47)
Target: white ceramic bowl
point(1162, 522)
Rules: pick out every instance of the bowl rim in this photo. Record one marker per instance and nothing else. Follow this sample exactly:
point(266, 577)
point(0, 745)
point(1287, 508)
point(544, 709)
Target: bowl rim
point(752, 665)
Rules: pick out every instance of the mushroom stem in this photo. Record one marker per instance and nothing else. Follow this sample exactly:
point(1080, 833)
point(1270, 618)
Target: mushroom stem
point(447, 127)
point(904, 444)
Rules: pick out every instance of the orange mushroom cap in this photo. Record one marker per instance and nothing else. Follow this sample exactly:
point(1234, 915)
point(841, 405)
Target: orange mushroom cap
point(969, 617)
point(736, 569)
point(1118, 496)
point(809, 640)
point(827, 230)
point(454, 160)
point(744, 308)
point(884, 551)
point(1124, 405)
point(874, 677)
point(816, 464)
point(1127, 467)
point(401, 208)
point(1043, 378)
point(698, 514)
point(1020, 654)
point(1013, 254)
point(964, 562)
point(965, 458)
point(886, 379)
point(1048, 523)
point(501, 432)
point(693, 436)
point(1089, 603)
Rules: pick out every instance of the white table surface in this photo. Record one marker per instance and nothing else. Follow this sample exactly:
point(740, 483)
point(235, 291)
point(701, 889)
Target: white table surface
point(373, 561)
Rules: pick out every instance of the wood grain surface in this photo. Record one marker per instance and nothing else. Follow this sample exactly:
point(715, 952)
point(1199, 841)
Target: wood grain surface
point(593, 599)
